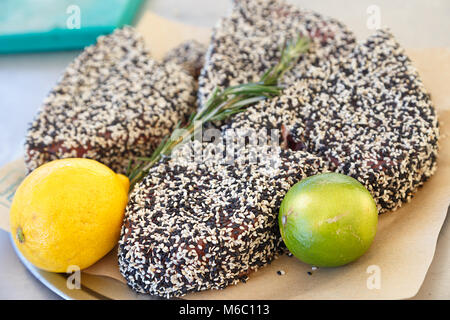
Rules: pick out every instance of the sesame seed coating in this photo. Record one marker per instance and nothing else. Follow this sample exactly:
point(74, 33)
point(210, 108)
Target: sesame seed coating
point(190, 55)
point(371, 119)
point(247, 43)
point(194, 226)
point(112, 103)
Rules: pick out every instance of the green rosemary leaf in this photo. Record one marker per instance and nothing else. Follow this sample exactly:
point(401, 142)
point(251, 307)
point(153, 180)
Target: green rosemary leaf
point(130, 163)
point(226, 115)
point(248, 101)
point(144, 158)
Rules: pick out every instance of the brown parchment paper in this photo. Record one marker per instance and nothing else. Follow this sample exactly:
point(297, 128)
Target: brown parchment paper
point(406, 239)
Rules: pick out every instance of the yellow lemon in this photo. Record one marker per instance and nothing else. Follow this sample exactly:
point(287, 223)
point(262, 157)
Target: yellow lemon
point(68, 213)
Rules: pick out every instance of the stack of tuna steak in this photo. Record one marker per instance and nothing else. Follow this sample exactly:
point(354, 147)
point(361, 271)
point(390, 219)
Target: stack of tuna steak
point(355, 108)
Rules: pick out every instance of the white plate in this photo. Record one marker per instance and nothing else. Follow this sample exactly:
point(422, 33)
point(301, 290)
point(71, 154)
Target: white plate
point(92, 287)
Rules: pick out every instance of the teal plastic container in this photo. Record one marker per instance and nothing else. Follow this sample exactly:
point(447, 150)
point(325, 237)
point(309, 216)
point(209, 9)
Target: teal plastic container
point(46, 25)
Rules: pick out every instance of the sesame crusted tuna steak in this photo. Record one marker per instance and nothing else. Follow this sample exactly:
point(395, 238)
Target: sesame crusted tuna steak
point(112, 103)
point(194, 226)
point(247, 43)
point(371, 119)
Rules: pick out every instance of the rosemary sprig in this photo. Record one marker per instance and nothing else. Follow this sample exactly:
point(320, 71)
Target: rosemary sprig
point(222, 104)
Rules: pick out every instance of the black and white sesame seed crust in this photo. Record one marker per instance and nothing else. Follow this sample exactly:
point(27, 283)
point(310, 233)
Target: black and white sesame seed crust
point(112, 103)
point(371, 119)
point(196, 226)
point(190, 55)
point(248, 42)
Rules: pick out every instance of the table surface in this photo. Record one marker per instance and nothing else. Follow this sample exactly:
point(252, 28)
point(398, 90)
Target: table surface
point(25, 80)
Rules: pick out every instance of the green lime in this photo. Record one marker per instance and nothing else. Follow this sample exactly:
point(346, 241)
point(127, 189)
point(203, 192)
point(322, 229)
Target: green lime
point(328, 220)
